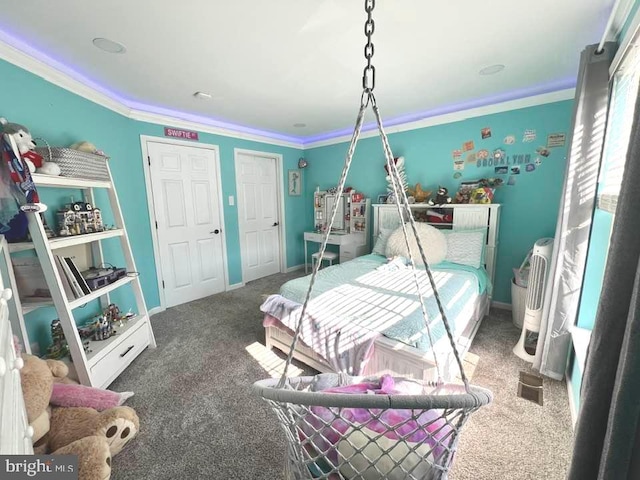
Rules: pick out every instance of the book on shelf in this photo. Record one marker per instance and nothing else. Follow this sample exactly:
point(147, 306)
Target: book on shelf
point(75, 271)
point(66, 284)
point(75, 286)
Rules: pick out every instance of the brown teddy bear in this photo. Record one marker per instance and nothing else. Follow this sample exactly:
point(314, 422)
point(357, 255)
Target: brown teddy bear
point(94, 436)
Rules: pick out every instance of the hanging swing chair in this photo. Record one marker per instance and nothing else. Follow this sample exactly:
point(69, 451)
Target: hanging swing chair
point(343, 427)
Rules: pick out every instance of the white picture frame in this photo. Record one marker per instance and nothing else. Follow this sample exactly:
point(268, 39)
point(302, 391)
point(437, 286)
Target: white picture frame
point(295, 182)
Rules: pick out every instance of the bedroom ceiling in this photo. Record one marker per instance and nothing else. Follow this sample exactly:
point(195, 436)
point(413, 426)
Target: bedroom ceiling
point(272, 65)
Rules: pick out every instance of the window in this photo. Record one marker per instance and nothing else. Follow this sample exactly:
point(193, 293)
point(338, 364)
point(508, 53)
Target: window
point(622, 104)
point(622, 107)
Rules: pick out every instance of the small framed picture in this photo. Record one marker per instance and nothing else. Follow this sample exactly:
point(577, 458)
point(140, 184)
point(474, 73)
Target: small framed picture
point(295, 182)
point(382, 198)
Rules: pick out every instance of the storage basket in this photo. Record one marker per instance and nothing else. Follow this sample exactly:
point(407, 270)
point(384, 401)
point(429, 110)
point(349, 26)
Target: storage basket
point(77, 164)
point(519, 284)
point(518, 303)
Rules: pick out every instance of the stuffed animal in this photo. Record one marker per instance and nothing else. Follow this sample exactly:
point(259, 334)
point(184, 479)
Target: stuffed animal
point(94, 436)
point(419, 194)
point(118, 425)
point(442, 197)
point(18, 193)
point(462, 196)
point(21, 140)
point(482, 195)
point(49, 168)
point(37, 377)
point(86, 147)
point(94, 459)
point(89, 147)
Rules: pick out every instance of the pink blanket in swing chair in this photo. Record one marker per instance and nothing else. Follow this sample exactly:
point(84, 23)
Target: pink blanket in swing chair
point(419, 436)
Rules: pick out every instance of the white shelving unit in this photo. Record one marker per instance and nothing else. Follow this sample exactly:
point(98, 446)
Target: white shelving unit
point(107, 358)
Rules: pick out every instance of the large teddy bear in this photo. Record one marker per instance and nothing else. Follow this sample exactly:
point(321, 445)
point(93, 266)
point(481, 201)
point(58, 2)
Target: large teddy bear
point(95, 437)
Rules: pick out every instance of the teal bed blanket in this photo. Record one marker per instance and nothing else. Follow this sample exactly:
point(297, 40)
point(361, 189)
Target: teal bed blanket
point(353, 303)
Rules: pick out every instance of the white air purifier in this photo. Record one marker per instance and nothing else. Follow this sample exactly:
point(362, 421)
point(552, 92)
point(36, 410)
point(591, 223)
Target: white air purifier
point(538, 275)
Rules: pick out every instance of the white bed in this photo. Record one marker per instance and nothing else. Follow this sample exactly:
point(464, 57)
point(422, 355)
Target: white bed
point(387, 355)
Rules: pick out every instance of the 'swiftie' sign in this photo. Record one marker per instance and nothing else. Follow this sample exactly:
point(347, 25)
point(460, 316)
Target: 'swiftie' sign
point(177, 133)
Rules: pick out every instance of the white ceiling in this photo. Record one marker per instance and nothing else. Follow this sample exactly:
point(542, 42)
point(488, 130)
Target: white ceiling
point(271, 64)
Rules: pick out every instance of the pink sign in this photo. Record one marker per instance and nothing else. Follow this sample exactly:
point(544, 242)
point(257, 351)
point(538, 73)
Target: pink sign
point(177, 133)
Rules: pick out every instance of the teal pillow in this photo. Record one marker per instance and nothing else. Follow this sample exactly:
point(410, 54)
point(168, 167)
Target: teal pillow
point(466, 247)
point(380, 243)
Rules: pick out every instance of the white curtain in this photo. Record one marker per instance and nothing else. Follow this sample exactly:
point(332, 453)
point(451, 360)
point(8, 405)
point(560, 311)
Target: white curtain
point(562, 295)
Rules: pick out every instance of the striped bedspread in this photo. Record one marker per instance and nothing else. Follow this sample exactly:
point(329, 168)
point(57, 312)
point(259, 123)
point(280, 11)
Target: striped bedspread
point(355, 302)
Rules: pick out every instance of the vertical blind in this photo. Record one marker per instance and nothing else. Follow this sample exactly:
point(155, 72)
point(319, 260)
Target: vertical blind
point(622, 107)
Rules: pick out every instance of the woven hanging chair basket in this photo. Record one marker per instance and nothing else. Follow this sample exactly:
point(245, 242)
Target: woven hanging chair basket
point(369, 436)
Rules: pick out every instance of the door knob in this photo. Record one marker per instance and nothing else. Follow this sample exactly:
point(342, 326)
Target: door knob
point(216, 231)
point(275, 224)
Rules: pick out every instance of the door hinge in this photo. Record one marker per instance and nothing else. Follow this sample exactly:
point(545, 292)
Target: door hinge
point(156, 224)
point(162, 283)
point(149, 160)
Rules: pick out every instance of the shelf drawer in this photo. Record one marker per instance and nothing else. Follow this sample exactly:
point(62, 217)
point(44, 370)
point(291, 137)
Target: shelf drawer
point(120, 356)
point(347, 253)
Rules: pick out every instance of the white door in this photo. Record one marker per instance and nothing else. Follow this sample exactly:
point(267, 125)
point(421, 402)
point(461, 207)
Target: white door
point(258, 215)
point(189, 221)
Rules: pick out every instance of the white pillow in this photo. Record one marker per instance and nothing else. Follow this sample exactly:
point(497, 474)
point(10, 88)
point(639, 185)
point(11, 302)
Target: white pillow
point(433, 243)
point(465, 247)
point(381, 241)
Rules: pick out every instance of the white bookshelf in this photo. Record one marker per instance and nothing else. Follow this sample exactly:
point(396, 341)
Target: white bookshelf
point(70, 241)
point(108, 358)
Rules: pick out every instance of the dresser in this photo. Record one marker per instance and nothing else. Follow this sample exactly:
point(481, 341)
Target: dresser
point(15, 432)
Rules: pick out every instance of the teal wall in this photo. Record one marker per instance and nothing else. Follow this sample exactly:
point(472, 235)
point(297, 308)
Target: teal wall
point(295, 207)
point(594, 271)
point(529, 208)
point(63, 118)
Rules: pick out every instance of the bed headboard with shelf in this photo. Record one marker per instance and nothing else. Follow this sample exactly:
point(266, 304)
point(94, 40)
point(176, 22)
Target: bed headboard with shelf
point(463, 217)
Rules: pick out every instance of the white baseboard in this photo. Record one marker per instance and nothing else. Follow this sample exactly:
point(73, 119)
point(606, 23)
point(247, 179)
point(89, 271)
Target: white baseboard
point(294, 268)
point(235, 286)
point(501, 305)
point(155, 310)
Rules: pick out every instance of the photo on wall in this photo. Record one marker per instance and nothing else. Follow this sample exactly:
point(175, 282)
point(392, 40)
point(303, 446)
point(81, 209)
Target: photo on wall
point(295, 182)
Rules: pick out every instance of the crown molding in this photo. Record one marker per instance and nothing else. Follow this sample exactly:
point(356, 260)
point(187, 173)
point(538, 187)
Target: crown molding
point(37, 63)
point(29, 59)
point(532, 101)
point(169, 120)
point(24, 56)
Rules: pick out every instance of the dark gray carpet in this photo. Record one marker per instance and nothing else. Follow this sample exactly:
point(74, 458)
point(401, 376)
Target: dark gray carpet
point(199, 419)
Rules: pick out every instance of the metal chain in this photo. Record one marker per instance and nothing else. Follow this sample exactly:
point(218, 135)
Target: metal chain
point(369, 73)
point(403, 201)
point(368, 84)
point(364, 102)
